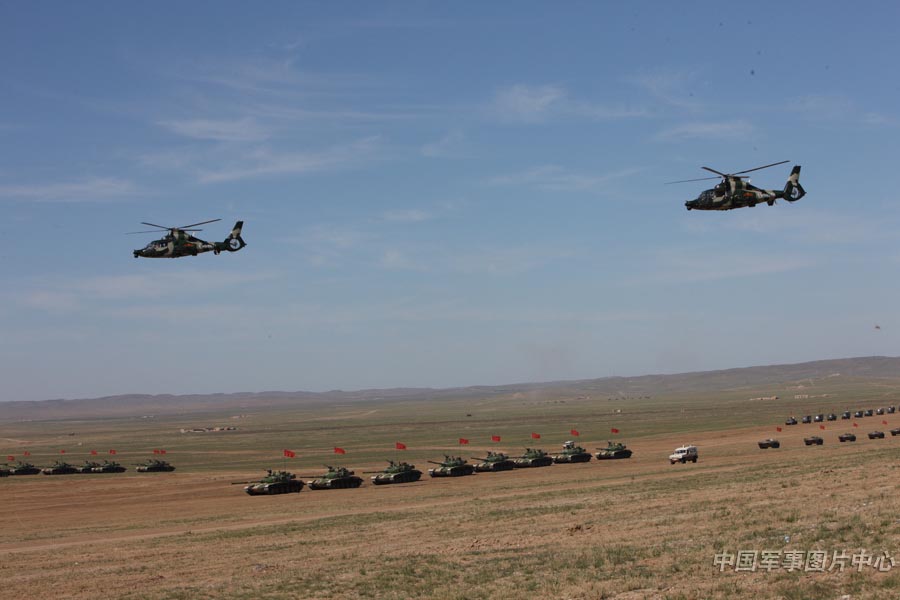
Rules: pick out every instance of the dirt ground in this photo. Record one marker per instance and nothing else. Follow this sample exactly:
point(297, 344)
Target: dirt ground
point(637, 528)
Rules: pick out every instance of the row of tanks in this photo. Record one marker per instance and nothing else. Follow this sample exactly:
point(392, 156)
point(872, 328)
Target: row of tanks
point(284, 482)
point(60, 467)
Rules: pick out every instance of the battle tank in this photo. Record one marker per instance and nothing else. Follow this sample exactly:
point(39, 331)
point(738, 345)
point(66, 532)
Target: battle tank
point(396, 472)
point(494, 461)
point(154, 465)
point(572, 454)
point(533, 457)
point(4, 472)
point(87, 467)
point(613, 450)
point(59, 468)
point(275, 482)
point(451, 466)
point(336, 478)
point(24, 468)
point(109, 466)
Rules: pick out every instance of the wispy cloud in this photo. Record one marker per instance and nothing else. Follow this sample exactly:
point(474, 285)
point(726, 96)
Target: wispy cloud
point(533, 104)
point(506, 260)
point(448, 146)
point(683, 266)
point(393, 259)
point(726, 130)
point(674, 88)
point(95, 189)
point(240, 130)
point(557, 178)
point(411, 215)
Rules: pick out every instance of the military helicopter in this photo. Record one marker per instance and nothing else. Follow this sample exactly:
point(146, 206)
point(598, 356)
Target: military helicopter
point(734, 192)
point(178, 242)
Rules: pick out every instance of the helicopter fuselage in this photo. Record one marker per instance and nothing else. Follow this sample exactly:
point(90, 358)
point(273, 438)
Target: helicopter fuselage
point(175, 247)
point(734, 194)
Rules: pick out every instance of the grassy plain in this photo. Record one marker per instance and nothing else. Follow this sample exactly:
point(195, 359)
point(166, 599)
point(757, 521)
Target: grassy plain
point(638, 528)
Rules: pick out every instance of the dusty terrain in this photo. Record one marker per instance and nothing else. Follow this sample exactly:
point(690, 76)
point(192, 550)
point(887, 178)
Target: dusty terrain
point(637, 528)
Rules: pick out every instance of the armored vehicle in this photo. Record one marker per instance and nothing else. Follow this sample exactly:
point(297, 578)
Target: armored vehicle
point(790, 421)
point(858, 414)
point(891, 409)
point(819, 418)
point(154, 465)
point(895, 431)
point(109, 466)
point(572, 454)
point(813, 440)
point(831, 417)
point(847, 437)
point(876, 435)
point(87, 467)
point(494, 461)
point(4, 472)
point(59, 468)
point(336, 478)
point(807, 419)
point(869, 413)
point(533, 457)
point(683, 454)
point(275, 482)
point(396, 472)
point(613, 450)
point(769, 443)
point(845, 414)
point(451, 466)
point(880, 411)
point(24, 468)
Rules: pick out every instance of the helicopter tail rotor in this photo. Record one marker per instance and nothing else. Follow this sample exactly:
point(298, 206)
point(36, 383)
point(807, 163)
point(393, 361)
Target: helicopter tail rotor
point(234, 241)
point(793, 191)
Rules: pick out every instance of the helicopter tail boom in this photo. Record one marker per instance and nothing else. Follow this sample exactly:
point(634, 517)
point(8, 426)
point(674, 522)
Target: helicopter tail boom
point(793, 191)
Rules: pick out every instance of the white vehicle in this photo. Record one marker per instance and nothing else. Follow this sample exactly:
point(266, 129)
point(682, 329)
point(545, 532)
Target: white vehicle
point(684, 454)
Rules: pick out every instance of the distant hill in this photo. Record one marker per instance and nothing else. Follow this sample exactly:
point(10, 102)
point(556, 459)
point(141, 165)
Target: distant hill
point(872, 367)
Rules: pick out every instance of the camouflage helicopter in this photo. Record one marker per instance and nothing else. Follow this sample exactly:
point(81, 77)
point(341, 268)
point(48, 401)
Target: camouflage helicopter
point(179, 242)
point(734, 192)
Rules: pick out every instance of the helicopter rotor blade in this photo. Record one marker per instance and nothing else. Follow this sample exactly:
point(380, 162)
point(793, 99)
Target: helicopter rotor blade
point(134, 232)
point(763, 167)
point(185, 227)
point(719, 173)
point(687, 180)
point(154, 225)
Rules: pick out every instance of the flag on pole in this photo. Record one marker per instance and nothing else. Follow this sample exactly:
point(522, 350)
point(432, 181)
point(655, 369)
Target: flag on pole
point(10, 458)
point(574, 432)
point(156, 451)
point(111, 451)
point(290, 454)
point(883, 422)
point(463, 441)
point(856, 424)
point(495, 438)
point(778, 429)
point(162, 451)
point(26, 453)
point(821, 427)
point(93, 453)
point(400, 446)
point(535, 436)
point(339, 450)
point(614, 430)
point(62, 451)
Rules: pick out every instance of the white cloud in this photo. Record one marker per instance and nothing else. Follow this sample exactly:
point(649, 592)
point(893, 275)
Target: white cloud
point(95, 189)
point(727, 130)
point(556, 178)
point(683, 266)
point(397, 260)
point(447, 146)
point(527, 103)
point(241, 130)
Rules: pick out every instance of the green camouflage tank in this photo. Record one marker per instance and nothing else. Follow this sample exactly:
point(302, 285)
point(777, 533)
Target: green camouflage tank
point(110, 466)
point(154, 465)
point(613, 450)
point(275, 482)
point(88, 466)
point(494, 461)
point(336, 478)
point(24, 468)
point(396, 472)
point(572, 454)
point(451, 466)
point(59, 468)
point(533, 457)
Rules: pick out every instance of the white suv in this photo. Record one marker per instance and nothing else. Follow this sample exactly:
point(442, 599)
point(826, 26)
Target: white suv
point(684, 454)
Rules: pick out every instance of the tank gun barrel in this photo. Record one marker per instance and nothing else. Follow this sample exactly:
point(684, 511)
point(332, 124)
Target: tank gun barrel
point(242, 482)
point(434, 462)
point(476, 458)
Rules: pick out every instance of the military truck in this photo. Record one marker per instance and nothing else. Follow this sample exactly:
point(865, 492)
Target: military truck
point(451, 466)
point(110, 466)
point(494, 461)
point(571, 454)
point(24, 468)
point(613, 451)
point(533, 457)
point(847, 437)
point(335, 478)
point(769, 443)
point(275, 482)
point(684, 454)
point(395, 472)
point(154, 465)
point(59, 467)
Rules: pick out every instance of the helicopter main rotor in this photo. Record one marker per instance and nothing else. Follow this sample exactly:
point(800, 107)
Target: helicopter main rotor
point(736, 175)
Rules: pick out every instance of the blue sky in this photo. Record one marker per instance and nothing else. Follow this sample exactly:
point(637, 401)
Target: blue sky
point(439, 194)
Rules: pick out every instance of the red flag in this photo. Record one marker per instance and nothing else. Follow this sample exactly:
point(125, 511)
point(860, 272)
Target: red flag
point(856, 425)
point(463, 441)
point(884, 422)
point(778, 429)
point(339, 450)
point(93, 453)
point(614, 430)
point(574, 432)
point(162, 451)
point(111, 451)
point(62, 451)
point(495, 438)
point(400, 446)
point(10, 458)
point(27, 453)
point(535, 436)
point(155, 451)
point(290, 454)
point(821, 427)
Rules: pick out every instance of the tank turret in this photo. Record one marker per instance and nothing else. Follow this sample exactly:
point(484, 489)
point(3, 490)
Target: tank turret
point(396, 472)
point(572, 454)
point(334, 479)
point(613, 450)
point(451, 466)
point(494, 461)
point(275, 482)
point(533, 457)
